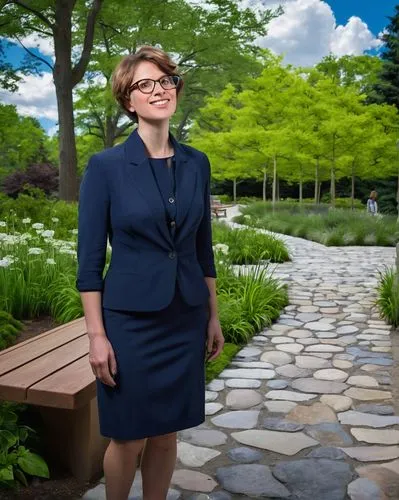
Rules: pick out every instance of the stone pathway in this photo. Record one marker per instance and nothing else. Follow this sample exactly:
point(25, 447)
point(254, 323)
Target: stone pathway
point(305, 411)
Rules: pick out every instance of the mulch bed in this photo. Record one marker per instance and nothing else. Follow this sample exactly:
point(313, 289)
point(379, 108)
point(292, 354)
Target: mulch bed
point(61, 484)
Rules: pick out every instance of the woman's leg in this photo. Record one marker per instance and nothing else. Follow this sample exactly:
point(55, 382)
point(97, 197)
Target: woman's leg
point(120, 463)
point(157, 465)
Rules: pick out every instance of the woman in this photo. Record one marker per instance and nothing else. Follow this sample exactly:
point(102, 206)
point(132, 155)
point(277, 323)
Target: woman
point(154, 315)
point(372, 207)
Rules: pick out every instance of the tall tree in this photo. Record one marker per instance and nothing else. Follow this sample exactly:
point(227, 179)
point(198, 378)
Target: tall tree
point(221, 52)
point(53, 19)
point(387, 89)
point(22, 141)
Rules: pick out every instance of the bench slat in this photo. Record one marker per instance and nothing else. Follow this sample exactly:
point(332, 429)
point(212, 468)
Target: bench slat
point(14, 385)
point(71, 387)
point(35, 347)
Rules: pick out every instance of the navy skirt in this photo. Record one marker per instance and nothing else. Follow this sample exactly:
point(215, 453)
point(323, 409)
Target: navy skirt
point(160, 383)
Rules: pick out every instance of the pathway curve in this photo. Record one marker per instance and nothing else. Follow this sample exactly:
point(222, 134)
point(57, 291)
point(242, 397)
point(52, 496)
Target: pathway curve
point(305, 411)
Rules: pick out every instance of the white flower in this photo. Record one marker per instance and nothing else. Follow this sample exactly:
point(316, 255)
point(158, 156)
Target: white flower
point(39, 231)
point(26, 221)
point(35, 251)
point(7, 260)
point(55, 219)
point(48, 233)
point(37, 225)
point(10, 239)
point(246, 216)
point(3, 223)
point(67, 250)
point(73, 231)
point(50, 261)
point(221, 247)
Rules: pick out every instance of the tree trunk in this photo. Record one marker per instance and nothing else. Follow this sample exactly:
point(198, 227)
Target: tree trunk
point(332, 184)
point(277, 187)
point(316, 182)
point(264, 185)
point(62, 73)
point(235, 190)
point(353, 189)
point(397, 197)
point(182, 124)
point(300, 191)
point(110, 132)
point(274, 197)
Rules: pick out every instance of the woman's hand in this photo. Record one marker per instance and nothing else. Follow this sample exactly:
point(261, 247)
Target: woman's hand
point(102, 359)
point(215, 339)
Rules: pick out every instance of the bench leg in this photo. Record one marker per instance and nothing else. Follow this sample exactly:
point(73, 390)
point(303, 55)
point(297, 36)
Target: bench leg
point(73, 439)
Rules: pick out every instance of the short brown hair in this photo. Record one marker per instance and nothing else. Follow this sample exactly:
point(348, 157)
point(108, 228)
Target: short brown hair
point(122, 75)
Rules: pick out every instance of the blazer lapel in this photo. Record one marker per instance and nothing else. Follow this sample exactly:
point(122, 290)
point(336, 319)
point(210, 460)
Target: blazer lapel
point(141, 175)
point(140, 172)
point(186, 174)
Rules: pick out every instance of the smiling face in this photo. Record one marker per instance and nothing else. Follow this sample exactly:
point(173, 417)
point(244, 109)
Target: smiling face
point(160, 104)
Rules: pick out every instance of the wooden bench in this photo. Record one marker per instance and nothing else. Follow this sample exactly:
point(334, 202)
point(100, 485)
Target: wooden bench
point(52, 372)
point(218, 209)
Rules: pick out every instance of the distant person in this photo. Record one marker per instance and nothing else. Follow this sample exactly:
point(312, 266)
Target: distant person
point(372, 207)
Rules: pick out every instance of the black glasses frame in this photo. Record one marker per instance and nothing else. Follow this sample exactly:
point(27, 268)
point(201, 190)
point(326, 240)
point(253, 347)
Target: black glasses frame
point(176, 79)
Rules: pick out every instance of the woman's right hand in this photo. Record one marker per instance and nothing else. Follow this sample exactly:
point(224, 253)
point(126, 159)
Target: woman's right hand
point(102, 359)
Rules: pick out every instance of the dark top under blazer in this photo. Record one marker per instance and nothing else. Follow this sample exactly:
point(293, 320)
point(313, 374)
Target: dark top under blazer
point(119, 199)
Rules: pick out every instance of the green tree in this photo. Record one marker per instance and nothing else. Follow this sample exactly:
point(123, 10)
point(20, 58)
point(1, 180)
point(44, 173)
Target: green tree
point(53, 19)
point(22, 141)
point(361, 72)
point(387, 88)
point(221, 52)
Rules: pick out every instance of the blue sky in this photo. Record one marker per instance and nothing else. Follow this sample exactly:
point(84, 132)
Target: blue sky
point(307, 31)
point(373, 12)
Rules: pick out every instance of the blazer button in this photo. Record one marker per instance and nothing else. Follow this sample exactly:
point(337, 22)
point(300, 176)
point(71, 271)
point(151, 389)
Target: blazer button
point(171, 200)
point(172, 255)
point(172, 223)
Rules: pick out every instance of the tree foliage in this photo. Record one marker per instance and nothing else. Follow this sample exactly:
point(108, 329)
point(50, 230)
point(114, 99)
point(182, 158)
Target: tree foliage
point(41, 176)
point(212, 45)
point(54, 20)
point(299, 127)
point(387, 87)
point(22, 141)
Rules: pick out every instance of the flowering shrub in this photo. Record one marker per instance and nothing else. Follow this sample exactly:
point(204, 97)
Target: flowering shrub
point(30, 262)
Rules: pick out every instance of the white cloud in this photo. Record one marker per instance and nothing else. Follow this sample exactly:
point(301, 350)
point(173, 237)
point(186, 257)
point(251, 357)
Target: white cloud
point(45, 45)
point(307, 31)
point(35, 97)
point(353, 39)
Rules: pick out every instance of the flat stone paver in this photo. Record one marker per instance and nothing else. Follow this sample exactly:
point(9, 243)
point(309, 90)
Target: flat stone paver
point(305, 410)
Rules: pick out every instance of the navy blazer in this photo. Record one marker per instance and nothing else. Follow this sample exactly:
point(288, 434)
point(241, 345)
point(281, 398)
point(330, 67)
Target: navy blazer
point(119, 199)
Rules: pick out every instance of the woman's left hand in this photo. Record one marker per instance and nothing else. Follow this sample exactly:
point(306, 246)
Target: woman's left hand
point(215, 339)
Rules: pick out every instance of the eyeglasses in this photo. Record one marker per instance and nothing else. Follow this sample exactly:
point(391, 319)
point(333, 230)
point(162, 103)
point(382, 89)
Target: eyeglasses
point(147, 85)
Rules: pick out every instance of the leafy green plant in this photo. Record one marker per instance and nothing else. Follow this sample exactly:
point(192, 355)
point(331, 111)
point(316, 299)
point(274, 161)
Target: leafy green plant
point(331, 227)
point(247, 246)
point(388, 296)
point(29, 263)
point(16, 460)
point(64, 299)
point(248, 301)
point(9, 329)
